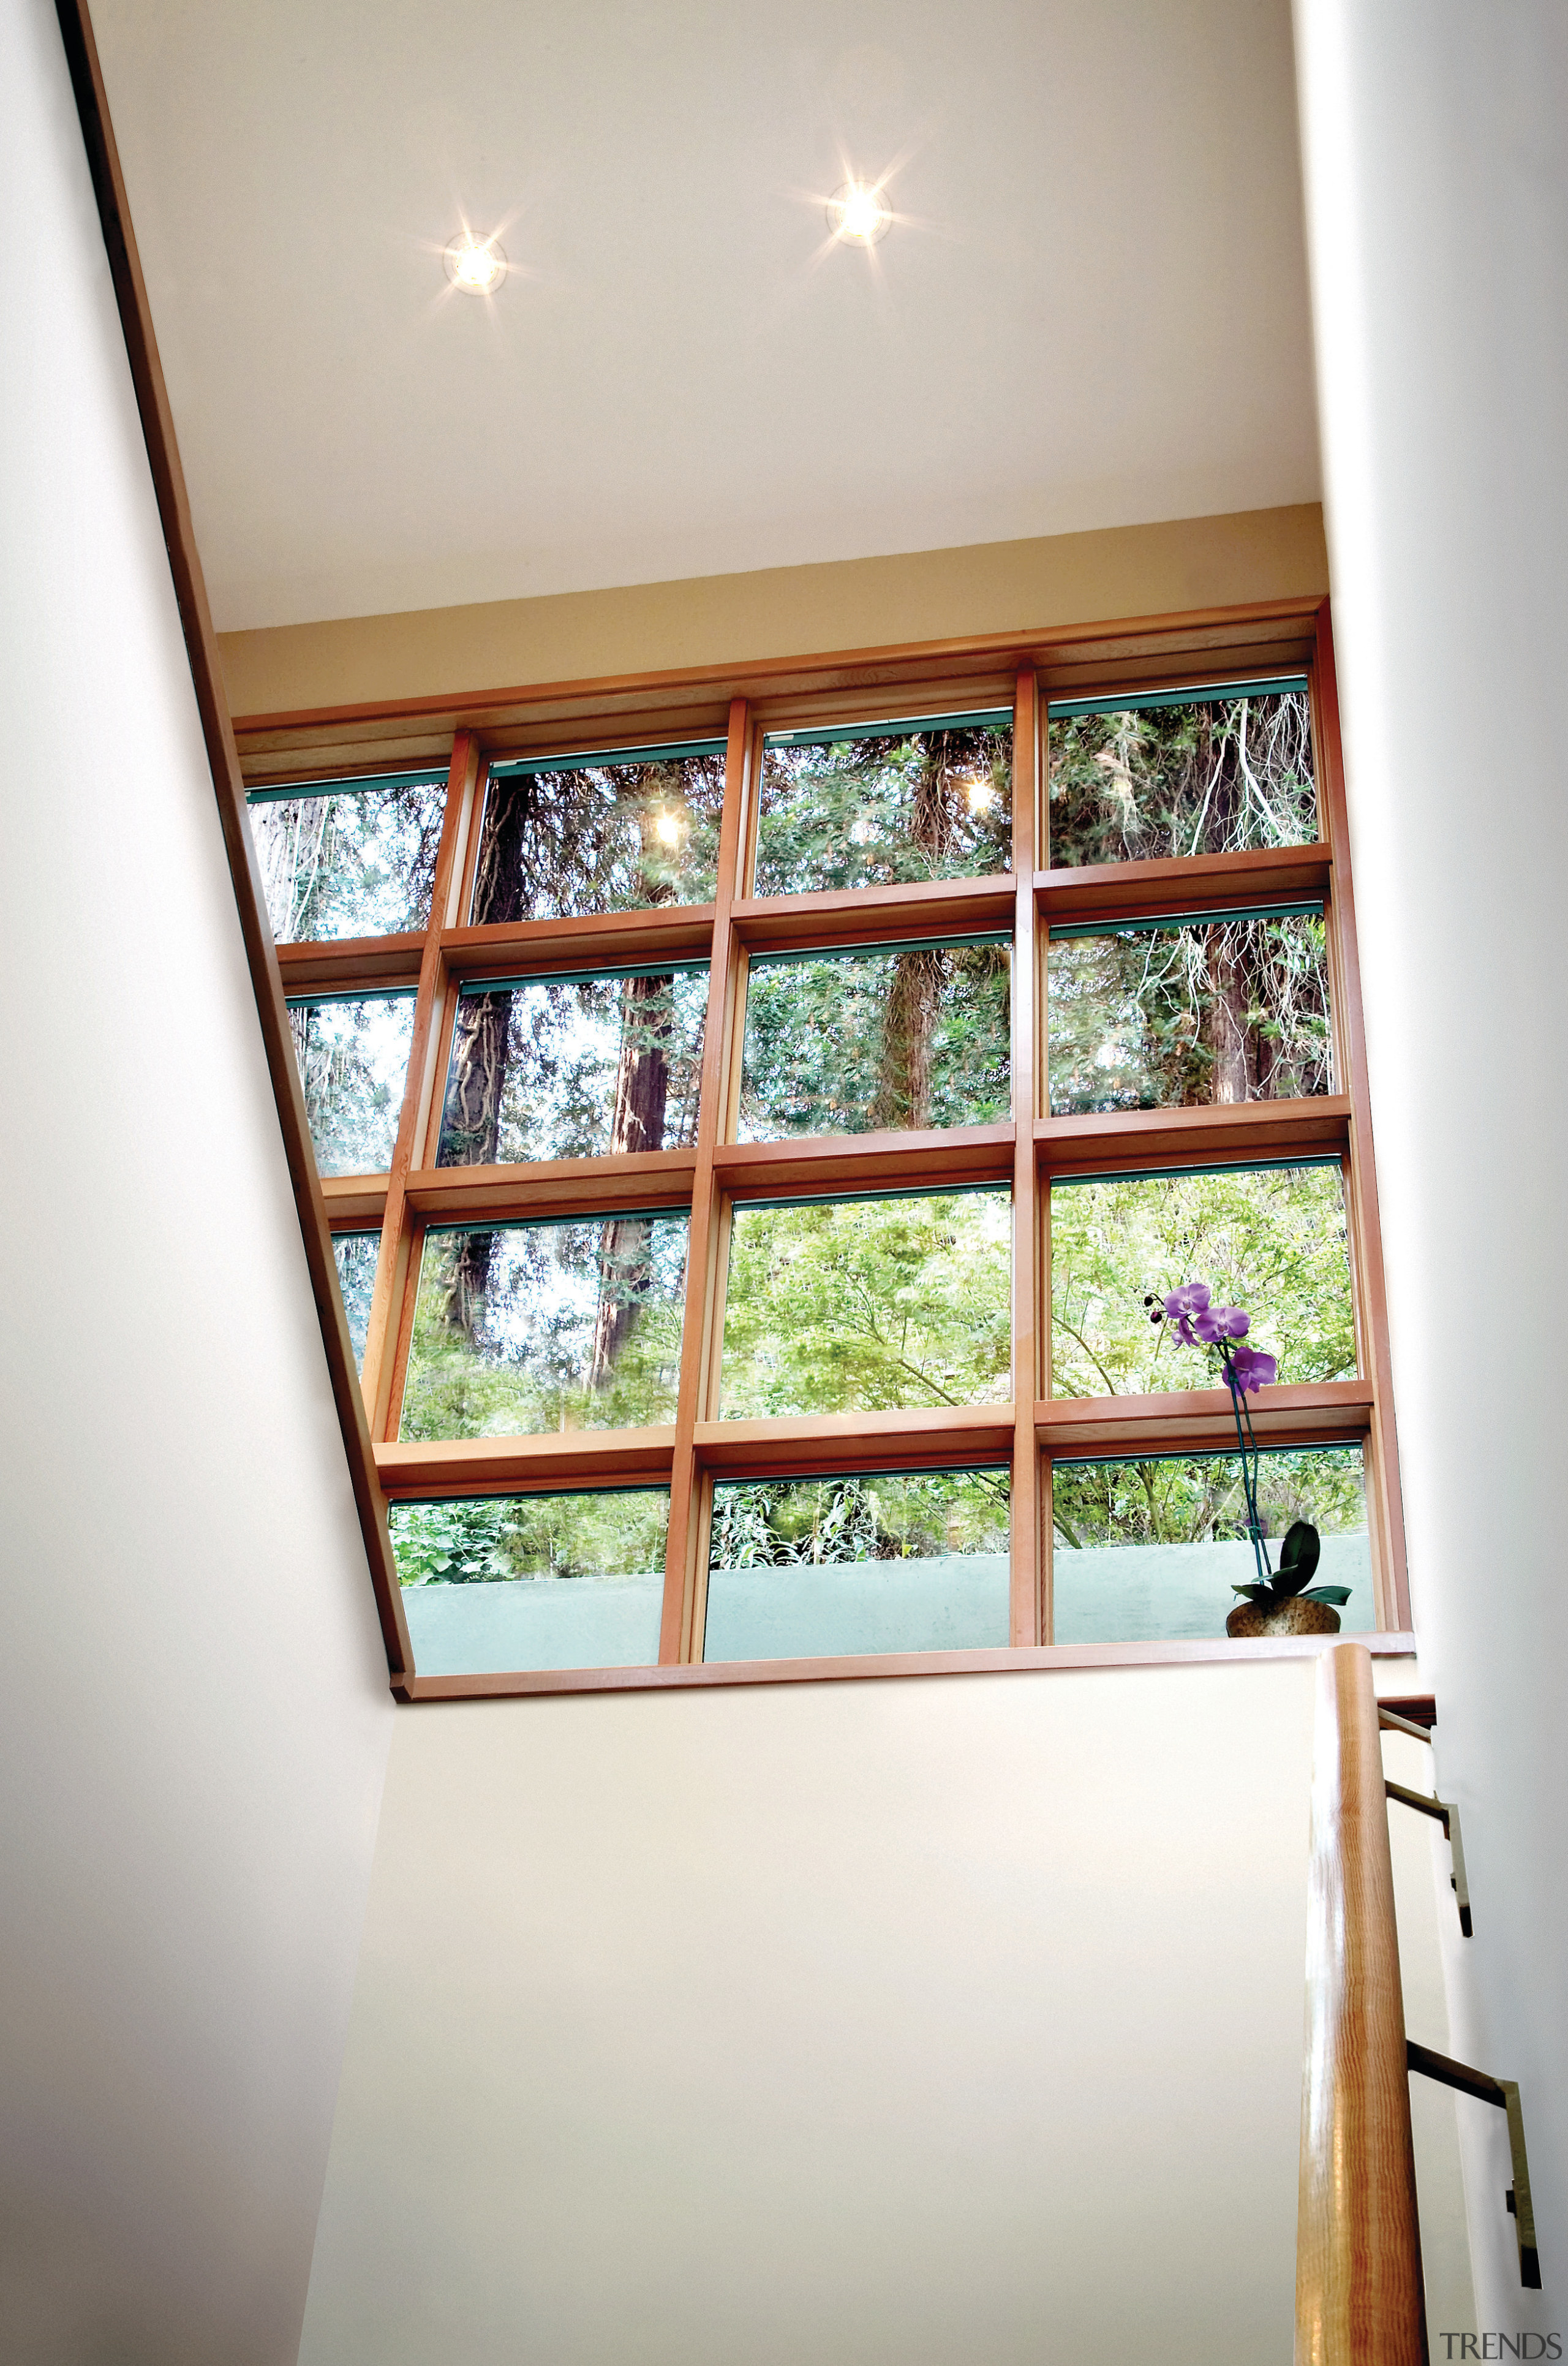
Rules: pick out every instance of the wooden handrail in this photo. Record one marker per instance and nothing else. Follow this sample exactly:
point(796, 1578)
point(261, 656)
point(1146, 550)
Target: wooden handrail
point(1359, 2291)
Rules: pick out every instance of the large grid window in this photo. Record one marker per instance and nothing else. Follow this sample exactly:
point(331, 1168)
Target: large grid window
point(748, 1156)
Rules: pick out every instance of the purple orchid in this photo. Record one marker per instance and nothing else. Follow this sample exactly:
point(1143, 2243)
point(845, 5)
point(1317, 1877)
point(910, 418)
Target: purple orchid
point(1250, 1368)
point(1186, 1308)
point(1199, 1322)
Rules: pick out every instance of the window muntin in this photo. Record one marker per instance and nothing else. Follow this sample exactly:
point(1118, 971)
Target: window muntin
point(567, 836)
point(1162, 773)
point(562, 1325)
point(582, 1067)
point(886, 1038)
point(356, 1255)
point(1273, 1240)
point(1149, 1547)
point(352, 1051)
point(567, 1580)
point(861, 1562)
point(1185, 1013)
point(354, 858)
point(884, 804)
point(560, 1099)
point(868, 1305)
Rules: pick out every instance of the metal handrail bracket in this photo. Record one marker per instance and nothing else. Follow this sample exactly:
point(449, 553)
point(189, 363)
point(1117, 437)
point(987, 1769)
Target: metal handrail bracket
point(1504, 2093)
point(1444, 1811)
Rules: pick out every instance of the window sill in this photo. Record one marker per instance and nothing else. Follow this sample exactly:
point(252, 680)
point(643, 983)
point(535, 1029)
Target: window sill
point(1042, 1660)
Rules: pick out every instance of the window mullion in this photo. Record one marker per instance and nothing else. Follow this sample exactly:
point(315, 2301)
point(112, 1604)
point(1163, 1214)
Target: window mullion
point(681, 1630)
point(391, 1273)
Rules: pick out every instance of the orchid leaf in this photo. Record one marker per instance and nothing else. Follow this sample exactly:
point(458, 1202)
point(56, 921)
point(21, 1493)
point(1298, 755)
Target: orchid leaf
point(1254, 1593)
point(1299, 1552)
point(1337, 1594)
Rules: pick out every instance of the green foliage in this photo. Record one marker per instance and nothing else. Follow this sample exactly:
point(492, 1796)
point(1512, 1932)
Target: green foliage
point(869, 1304)
point(358, 864)
point(1272, 1241)
point(834, 1046)
point(563, 1050)
point(877, 811)
point(783, 1522)
point(356, 1255)
point(1136, 1015)
point(599, 837)
point(517, 1356)
point(353, 1058)
point(476, 1540)
point(1199, 1498)
point(1213, 777)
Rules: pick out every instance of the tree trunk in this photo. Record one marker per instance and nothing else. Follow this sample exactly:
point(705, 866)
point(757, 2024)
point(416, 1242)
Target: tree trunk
point(1229, 1035)
point(903, 1082)
point(471, 1120)
point(642, 1090)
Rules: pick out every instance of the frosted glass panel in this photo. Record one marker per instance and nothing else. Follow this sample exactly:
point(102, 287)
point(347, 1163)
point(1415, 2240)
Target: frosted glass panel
point(821, 1568)
point(502, 1581)
point(1148, 1549)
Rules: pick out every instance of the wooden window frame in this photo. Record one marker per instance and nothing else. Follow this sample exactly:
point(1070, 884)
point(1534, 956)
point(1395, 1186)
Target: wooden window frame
point(1189, 651)
point(1215, 646)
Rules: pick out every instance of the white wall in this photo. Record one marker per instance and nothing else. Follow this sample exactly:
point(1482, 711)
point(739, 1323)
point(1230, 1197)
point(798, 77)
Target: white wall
point(956, 2018)
point(1438, 211)
point(196, 1714)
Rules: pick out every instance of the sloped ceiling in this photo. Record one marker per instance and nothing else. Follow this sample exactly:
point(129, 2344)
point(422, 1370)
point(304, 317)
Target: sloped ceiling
point(1092, 309)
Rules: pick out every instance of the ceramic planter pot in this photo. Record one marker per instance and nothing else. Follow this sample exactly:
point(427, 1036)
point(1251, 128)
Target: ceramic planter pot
point(1292, 1618)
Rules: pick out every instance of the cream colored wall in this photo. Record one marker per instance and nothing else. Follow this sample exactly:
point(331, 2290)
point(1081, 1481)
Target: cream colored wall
point(1438, 208)
point(196, 1716)
point(956, 2018)
point(990, 588)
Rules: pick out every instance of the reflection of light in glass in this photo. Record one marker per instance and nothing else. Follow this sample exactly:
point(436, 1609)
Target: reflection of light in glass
point(858, 214)
point(667, 829)
point(981, 796)
point(475, 266)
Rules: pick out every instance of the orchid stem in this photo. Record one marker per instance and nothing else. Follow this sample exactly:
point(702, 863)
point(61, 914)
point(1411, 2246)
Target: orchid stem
point(1247, 1442)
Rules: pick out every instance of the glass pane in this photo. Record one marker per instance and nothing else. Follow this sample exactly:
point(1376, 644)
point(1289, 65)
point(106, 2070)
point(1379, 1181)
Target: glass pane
point(599, 837)
point(869, 1304)
point(575, 1070)
point(354, 1059)
point(532, 1327)
point(888, 807)
point(1214, 776)
point(1148, 1549)
point(356, 1254)
point(1272, 1241)
point(497, 1582)
point(358, 862)
point(874, 1042)
point(804, 1568)
point(1176, 1018)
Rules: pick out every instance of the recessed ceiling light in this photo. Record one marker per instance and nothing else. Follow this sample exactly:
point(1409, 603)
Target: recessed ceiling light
point(476, 265)
point(858, 215)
